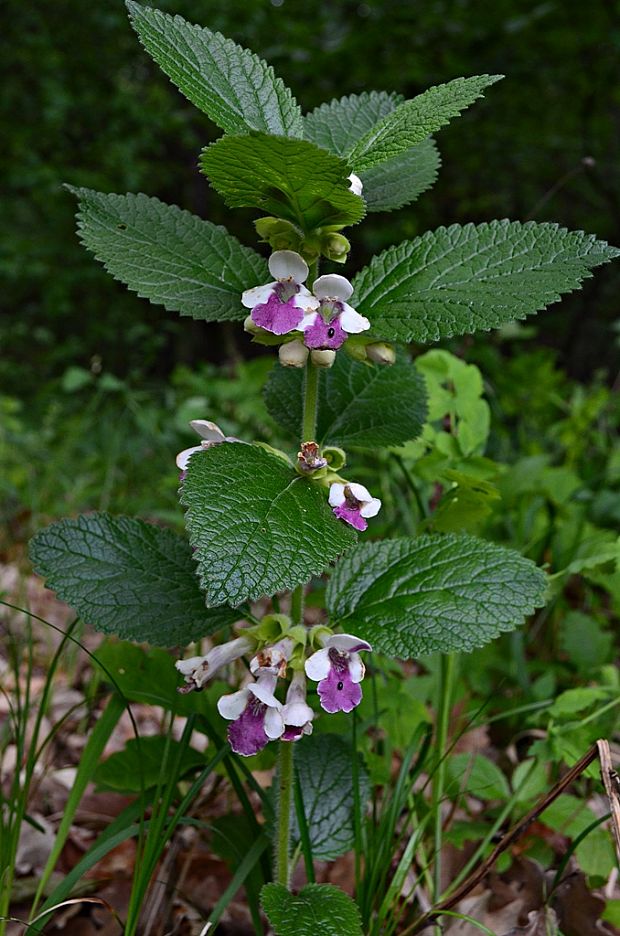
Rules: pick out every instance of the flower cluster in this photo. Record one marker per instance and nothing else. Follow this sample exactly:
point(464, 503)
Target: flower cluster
point(255, 713)
point(323, 317)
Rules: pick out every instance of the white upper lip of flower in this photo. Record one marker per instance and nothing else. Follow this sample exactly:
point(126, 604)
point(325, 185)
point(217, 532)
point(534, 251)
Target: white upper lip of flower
point(370, 506)
point(296, 711)
point(287, 267)
point(357, 185)
point(319, 664)
point(335, 288)
point(210, 433)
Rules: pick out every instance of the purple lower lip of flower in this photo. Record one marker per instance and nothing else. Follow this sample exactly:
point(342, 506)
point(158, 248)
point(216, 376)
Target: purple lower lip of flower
point(292, 733)
point(351, 515)
point(338, 692)
point(247, 733)
point(325, 336)
point(276, 316)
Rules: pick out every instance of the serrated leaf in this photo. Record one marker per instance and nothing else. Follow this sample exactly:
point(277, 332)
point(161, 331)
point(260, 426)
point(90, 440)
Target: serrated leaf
point(461, 279)
point(291, 179)
point(232, 85)
point(413, 121)
point(127, 577)
point(324, 766)
point(400, 180)
point(359, 406)
point(410, 597)
point(258, 527)
point(168, 255)
point(317, 908)
point(339, 124)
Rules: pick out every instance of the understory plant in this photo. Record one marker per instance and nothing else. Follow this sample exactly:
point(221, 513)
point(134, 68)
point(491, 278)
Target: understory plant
point(280, 566)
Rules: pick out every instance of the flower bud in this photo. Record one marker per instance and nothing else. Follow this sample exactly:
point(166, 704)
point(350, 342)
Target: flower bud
point(279, 234)
point(250, 326)
point(335, 247)
point(381, 353)
point(323, 358)
point(293, 354)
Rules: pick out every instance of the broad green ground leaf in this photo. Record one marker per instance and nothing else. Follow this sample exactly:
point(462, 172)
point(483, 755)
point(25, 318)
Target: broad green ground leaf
point(413, 121)
point(257, 526)
point(359, 405)
point(149, 676)
point(475, 775)
point(458, 280)
point(323, 764)
point(400, 180)
point(168, 255)
point(338, 125)
point(127, 577)
point(410, 597)
point(234, 87)
point(317, 909)
point(138, 765)
point(291, 179)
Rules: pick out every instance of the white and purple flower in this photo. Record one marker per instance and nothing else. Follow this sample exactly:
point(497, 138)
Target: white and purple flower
point(210, 433)
point(330, 326)
point(353, 503)
point(339, 670)
point(273, 659)
point(296, 714)
point(199, 669)
point(279, 306)
point(255, 715)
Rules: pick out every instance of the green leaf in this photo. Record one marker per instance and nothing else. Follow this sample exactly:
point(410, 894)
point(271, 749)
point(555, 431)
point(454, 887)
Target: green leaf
point(234, 87)
point(413, 121)
point(257, 526)
point(475, 775)
point(318, 908)
point(409, 597)
point(168, 255)
point(324, 766)
point(359, 405)
point(577, 700)
point(338, 125)
point(457, 280)
point(400, 180)
point(127, 577)
point(138, 765)
point(291, 179)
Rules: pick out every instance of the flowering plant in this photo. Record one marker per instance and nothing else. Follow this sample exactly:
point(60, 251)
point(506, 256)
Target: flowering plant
point(263, 525)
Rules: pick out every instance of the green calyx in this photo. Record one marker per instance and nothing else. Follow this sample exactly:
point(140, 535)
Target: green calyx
point(318, 634)
point(284, 235)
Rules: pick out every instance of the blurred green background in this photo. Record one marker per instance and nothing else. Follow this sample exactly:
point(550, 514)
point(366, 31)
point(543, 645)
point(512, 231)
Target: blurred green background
point(83, 103)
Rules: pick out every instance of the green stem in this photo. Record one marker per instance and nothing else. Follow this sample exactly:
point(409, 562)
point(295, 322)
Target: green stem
point(446, 686)
point(285, 756)
point(285, 786)
point(311, 393)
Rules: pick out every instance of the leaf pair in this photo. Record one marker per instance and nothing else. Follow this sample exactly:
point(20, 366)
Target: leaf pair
point(242, 95)
point(452, 281)
point(407, 596)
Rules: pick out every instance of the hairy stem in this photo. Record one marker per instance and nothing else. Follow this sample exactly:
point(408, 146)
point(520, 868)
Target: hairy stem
point(311, 392)
point(285, 790)
point(285, 755)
